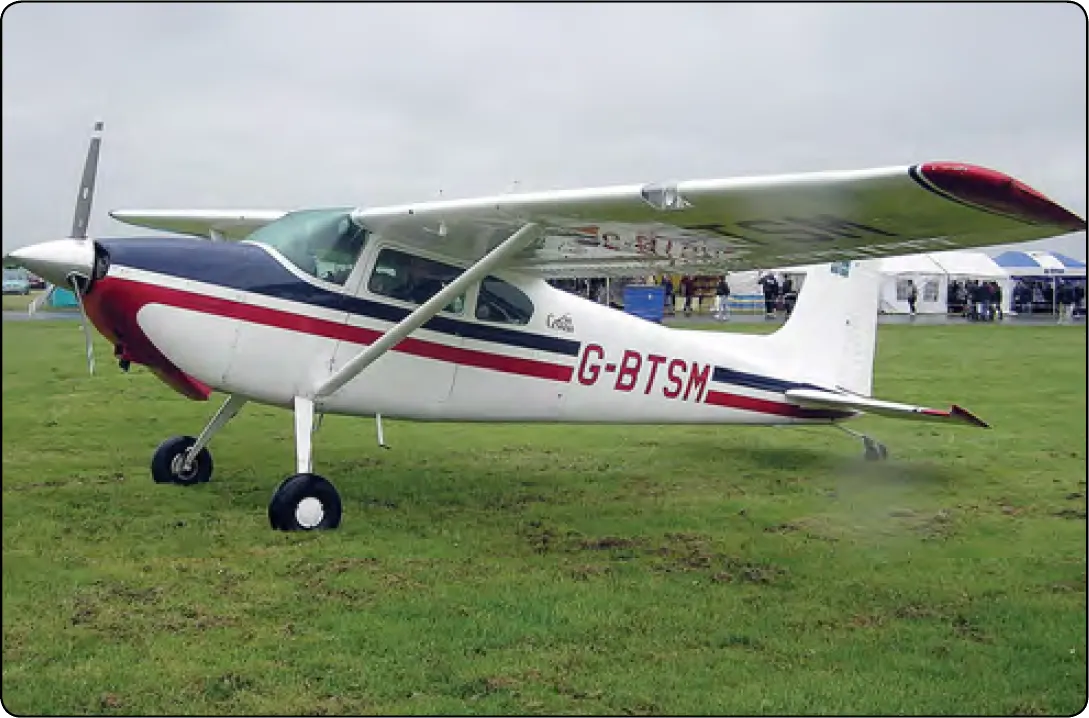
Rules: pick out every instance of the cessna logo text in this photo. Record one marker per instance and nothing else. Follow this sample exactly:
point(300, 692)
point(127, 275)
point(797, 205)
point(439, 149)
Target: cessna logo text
point(563, 323)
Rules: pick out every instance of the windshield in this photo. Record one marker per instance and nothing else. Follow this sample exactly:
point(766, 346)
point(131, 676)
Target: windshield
point(324, 243)
point(14, 274)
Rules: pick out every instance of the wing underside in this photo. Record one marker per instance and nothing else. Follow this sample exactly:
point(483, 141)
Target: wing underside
point(213, 224)
point(717, 225)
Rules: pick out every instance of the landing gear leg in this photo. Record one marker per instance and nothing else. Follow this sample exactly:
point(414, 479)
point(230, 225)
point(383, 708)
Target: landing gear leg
point(874, 450)
point(187, 461)
point(304, 501)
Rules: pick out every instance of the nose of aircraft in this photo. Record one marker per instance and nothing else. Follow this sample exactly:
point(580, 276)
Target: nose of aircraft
point(55, 261)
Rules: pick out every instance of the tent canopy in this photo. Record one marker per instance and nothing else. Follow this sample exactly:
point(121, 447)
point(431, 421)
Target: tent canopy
point(1068, 262)
point(964, 263)
point(911, 264)
point(1039, 263)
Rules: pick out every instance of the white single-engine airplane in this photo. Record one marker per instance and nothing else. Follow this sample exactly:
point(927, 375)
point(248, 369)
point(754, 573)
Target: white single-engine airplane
point(440, 310)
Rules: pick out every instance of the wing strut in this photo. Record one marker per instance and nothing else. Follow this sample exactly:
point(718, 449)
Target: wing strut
point(486, 264)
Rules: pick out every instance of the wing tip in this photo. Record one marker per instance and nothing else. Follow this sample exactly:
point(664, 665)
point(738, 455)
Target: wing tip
point(968, 417)
point(957, 413)
point(994, 192)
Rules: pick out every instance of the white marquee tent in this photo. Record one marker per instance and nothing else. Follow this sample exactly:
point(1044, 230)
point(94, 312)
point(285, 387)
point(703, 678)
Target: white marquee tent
point(970, 265)
point(929, 278)
point(932, 274)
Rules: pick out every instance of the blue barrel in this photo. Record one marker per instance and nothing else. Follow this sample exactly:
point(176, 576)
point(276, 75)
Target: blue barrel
point(645, 301)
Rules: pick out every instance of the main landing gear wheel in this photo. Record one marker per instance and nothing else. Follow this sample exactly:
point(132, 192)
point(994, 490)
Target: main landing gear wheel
point(875, 450)
point(305, 502)
point(168, 463)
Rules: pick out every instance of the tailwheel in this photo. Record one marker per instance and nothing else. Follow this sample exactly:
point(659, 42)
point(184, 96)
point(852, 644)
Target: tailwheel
point(875, 450)
point(305, 502)
point(168, 464)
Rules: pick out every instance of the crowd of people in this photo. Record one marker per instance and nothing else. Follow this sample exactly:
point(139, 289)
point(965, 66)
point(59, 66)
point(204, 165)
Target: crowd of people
point(778, 294)
point(975, 299)
point(1065, 297)
point(982, 300)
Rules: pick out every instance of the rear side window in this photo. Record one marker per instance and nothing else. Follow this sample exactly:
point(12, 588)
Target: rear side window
point(411, 278)
point(503, 303)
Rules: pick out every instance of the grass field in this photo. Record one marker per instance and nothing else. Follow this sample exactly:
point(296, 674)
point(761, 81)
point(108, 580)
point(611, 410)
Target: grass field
point(554, 569)
point(20, 302)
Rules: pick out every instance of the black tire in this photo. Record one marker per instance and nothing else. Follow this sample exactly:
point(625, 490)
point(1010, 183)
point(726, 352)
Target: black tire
point(165, 463)
point(305, 502)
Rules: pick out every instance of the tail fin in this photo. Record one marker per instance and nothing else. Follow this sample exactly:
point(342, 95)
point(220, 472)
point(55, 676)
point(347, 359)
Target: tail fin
point(831, 336)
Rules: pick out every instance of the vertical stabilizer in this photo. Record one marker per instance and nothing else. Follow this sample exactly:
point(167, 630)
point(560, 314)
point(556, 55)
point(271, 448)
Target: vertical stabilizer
point(831, 336)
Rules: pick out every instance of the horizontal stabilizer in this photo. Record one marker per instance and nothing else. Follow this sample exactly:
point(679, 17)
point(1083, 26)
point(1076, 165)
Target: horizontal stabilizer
point(816, 399)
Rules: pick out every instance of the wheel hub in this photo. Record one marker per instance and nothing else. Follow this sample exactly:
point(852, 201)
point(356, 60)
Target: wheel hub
point(309, 512)
point(178, 467)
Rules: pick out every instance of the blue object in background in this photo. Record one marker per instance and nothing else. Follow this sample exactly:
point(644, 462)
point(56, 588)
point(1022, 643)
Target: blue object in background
point(645, 301)
point(62, 298)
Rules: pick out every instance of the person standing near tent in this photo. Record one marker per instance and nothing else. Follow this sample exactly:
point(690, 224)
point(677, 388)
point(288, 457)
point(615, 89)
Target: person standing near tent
point(722, 296)
point(667, 289)
point(979, 301)
point(771, 291)
point(1066, 303)
point(996, 301)
point(790, 295)
point(688, 290)
point(913, 296)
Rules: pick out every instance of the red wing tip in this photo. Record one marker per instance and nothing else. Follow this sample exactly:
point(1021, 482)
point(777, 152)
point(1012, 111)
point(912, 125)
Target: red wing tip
point(958, 413)
point(965, 415)
point(998, 192)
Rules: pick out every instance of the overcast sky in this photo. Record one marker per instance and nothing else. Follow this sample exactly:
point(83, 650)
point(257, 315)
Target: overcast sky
point(287, 105)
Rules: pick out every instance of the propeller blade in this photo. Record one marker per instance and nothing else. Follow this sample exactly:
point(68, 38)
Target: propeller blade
point(40, 300)
point(84, 323)
point(87, 186)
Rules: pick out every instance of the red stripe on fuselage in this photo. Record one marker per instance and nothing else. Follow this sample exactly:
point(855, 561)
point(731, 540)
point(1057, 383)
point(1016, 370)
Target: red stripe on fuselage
point(267, 316)
point(764, 406)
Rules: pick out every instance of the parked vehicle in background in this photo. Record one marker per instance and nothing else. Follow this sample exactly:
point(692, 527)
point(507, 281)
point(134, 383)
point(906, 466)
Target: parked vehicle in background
point(16, 281)
point(36, 282)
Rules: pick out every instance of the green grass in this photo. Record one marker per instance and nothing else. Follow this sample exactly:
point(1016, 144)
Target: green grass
point(554, 569)
point(20, 303)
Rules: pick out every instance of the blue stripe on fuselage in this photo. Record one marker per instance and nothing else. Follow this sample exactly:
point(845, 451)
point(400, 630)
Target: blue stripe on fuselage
point(250, 268)
point(755, 381)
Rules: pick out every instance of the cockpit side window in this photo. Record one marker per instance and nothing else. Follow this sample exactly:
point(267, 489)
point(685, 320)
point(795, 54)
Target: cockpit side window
point(411, 278)
point(502, 302)
point(324, 243)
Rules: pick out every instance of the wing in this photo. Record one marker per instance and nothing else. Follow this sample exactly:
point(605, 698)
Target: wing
point(214, 224)
point(737, 224)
